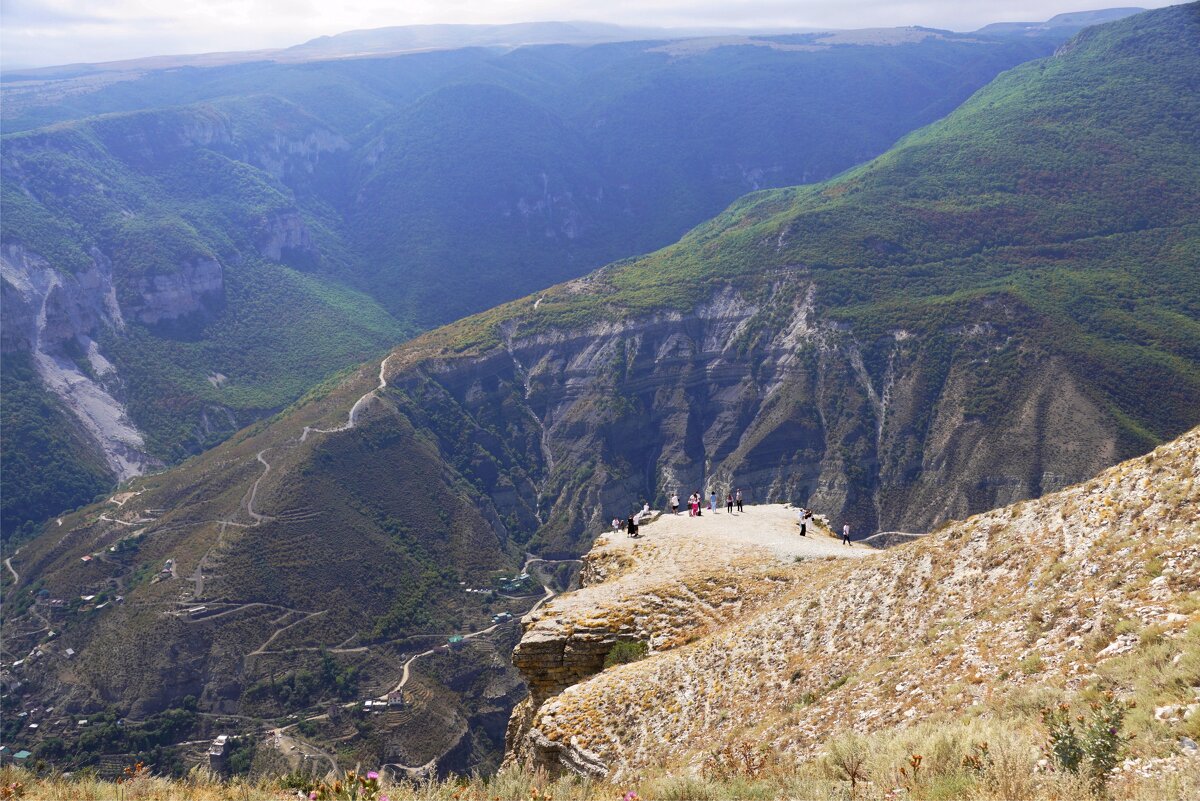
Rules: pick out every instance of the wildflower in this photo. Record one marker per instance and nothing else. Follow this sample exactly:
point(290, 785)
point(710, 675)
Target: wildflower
point(631, 796)
point(312, 796)
point(372, 774)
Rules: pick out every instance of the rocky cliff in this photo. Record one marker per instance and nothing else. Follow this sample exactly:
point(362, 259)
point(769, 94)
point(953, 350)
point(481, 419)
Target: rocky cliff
point(1091, 587)
point(754, 389)
point(54, 316)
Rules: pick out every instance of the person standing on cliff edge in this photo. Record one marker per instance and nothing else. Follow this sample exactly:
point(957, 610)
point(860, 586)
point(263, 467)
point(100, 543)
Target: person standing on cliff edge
point(846, 534)
point(738, 499)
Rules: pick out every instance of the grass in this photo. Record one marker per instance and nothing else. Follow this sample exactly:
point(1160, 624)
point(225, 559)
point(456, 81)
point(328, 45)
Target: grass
point(988, 760)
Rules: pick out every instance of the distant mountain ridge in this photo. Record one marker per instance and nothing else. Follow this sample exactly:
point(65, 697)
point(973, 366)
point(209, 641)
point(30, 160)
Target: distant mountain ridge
point(1062, 25)
point(397, 39)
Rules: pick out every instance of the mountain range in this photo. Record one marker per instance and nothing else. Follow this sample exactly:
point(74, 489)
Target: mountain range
point(188, 250)
point(1001, 305)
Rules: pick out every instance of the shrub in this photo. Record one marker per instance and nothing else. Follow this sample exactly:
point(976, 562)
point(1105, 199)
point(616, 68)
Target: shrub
point(738, 759)
point(1090, 745)
point(626, 651)
point(847, 759)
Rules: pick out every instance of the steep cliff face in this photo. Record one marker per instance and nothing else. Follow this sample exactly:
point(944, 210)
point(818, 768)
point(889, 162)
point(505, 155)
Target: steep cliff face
point(55, 317)
point(196, 289)
point(285, 238)
point(1043, 599)
point(755, 390)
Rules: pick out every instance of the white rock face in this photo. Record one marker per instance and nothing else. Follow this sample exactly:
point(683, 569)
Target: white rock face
point(52, 308)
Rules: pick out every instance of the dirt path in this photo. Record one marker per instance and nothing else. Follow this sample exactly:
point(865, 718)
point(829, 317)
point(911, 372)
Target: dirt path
point(353, 417)
point(15, 575)
point(549, 594)
point(197, 577)
point(260, 649)
point(351, 421)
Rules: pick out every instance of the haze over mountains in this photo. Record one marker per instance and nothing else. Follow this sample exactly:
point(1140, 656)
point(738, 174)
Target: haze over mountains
point(399, 39)
point(999, 306)
point(187, 250)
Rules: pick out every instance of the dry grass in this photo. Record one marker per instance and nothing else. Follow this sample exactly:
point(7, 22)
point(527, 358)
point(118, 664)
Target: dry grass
point(976, 759)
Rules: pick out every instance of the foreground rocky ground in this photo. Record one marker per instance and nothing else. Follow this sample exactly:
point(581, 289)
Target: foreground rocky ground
point(982, 624)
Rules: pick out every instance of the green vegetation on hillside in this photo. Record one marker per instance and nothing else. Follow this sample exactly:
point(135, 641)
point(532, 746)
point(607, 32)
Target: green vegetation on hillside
point(48, 467)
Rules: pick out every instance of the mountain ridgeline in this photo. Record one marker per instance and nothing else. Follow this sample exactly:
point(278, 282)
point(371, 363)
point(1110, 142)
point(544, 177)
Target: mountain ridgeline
point(1001, 305)
point(187, 250)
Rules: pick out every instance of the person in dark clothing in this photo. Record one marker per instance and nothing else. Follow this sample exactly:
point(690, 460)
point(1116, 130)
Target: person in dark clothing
point(846, 534)
point(738, 499)
point(631, 526)
point(729, 502)
point(802, 516)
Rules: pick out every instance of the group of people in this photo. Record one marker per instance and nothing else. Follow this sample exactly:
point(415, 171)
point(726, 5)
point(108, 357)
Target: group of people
point(632, 524)
point(804, 516)
point(696, 502)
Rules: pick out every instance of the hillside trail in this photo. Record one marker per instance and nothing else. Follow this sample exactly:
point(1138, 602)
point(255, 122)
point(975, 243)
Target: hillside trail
point(351, 421)
point(258, 518)
point(547, 596)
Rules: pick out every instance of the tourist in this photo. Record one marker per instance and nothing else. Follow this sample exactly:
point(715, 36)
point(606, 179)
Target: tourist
point(737, 497)
point(729, 502)
point(631, 526)
point(803, 517)
point(712, 501)
point(675, 502)
point(846, 534)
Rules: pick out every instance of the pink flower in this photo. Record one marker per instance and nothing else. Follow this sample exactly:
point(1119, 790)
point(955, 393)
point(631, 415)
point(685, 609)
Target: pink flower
point(631, 796)
point(384, 798)
point(372, 774)
point(312, 796)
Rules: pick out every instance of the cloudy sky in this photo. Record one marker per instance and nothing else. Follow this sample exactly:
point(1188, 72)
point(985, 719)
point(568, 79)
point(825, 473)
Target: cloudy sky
point(44, 32)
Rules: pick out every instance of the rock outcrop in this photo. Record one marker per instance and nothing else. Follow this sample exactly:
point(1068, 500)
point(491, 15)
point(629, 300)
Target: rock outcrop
point(285, 238)
point(685, 578)
point(195, 289)
point(759, 393)
point(1042, 594)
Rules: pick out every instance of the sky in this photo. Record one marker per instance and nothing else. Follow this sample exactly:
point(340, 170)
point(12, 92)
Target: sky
point(47, 32)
